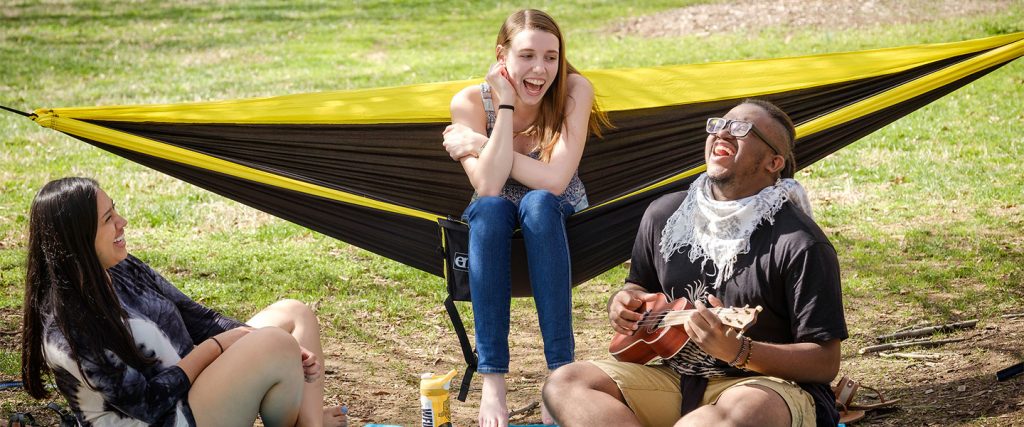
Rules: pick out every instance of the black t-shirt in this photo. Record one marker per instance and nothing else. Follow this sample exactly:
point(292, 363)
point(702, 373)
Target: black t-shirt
point(791, 271)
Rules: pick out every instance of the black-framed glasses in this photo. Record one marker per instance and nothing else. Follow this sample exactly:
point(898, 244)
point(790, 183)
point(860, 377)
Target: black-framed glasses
point(736, 128)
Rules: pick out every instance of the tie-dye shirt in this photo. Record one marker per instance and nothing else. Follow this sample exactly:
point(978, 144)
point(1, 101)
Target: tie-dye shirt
point(166, 326)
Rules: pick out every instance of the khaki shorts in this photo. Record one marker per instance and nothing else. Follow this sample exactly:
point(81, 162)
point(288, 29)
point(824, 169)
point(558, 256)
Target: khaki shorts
point(652, 392)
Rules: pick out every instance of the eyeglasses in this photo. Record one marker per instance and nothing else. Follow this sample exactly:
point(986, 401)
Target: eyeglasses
point(737, 128)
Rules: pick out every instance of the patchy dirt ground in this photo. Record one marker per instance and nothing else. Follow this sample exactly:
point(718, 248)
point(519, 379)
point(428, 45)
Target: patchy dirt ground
point(957, 387)
point(379, 383)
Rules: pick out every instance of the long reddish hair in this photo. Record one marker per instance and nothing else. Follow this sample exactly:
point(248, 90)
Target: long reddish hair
point(548, 124)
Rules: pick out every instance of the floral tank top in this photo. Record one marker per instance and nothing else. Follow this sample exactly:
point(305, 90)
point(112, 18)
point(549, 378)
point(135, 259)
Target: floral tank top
point(513, 191)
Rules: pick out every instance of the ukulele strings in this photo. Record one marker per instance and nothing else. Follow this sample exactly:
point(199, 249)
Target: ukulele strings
point(656, 318)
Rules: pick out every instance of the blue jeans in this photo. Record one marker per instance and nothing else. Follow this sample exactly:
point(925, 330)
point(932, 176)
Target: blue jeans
point(541, 215)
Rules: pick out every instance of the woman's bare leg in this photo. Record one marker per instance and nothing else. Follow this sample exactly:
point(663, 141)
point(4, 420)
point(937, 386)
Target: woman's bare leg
point(261, 373)
point(298, 320)
point(493, 405)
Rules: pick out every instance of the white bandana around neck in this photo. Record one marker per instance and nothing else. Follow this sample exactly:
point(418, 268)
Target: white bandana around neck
point(720, 230)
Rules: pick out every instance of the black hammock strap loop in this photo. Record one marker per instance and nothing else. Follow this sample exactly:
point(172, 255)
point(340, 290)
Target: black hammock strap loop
point(18, 112)
point(467, 350)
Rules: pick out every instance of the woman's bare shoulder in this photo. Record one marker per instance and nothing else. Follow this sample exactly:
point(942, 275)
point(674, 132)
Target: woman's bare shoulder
point(467, 108)
point(579, 84)
point(468, 97)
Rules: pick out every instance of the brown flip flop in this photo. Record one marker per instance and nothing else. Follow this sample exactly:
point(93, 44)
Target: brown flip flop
point(846, 391)
point(850, 416)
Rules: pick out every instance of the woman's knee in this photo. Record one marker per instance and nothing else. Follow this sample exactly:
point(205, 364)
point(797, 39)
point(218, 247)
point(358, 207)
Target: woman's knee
point(490, 207)
point(538, 205)
point(273, 344)
point(491, 216)
point(296, 310)
point(539, 198)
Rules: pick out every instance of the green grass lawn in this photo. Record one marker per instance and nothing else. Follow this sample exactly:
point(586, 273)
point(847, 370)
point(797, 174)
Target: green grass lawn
point(927, 214)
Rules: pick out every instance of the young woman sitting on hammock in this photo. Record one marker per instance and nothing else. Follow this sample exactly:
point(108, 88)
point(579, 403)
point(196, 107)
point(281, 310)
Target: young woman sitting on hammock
point(128, 348)
point(520, 137)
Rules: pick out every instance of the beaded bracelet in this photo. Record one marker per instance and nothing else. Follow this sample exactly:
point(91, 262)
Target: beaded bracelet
point(744, 347)
point(750, 350)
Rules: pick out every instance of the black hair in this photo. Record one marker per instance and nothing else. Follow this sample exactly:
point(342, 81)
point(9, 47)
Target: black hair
point(65, 281)
point(783, 119)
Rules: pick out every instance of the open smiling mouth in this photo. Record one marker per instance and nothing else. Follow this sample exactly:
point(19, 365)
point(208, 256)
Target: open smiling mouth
point(533, 86)
point(723, 150)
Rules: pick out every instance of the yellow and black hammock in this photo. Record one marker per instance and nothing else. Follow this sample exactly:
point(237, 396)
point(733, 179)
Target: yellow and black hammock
point(367, 166)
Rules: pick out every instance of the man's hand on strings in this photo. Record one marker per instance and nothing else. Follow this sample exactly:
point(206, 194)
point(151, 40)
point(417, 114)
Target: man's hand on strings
point(710, 334)
point(623, 309)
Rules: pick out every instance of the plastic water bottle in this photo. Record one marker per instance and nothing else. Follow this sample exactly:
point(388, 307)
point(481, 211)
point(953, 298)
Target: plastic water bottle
point(434, 399)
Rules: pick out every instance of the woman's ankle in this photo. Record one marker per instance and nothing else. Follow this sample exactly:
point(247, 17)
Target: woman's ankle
point(493, 381)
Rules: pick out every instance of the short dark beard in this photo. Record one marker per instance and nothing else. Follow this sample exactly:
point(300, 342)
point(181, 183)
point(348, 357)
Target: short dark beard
point(722, 183)
point(724, 180)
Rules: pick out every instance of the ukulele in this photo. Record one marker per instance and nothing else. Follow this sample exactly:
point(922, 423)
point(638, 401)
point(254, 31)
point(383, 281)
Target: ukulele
point(660, 333)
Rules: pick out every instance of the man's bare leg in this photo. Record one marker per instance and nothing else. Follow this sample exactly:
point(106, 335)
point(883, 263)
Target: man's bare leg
point(581, 394)
point(740, 407)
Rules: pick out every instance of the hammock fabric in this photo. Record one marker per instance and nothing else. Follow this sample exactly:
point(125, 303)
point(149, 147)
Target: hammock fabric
point(367, 166)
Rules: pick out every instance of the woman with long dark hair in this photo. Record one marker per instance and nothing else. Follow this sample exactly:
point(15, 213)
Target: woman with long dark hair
point(128, 348)
point(520, 137)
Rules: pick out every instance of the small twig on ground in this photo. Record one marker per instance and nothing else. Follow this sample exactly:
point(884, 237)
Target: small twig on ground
point(917, 356)
point(928, 331)
point(909, 327)
point(1012, 315)
point(525, 410)
point(895, 345)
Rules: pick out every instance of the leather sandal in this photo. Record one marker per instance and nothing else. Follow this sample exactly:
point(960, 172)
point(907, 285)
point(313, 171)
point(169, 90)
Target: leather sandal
point(846, 391)
point(849, 416)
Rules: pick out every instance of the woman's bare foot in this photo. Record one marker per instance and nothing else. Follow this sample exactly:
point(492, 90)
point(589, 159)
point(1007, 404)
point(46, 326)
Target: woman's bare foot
point(493, 408)
point(335, 416)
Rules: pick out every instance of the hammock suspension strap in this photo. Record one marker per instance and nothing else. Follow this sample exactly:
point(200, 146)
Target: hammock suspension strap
point(467, 349)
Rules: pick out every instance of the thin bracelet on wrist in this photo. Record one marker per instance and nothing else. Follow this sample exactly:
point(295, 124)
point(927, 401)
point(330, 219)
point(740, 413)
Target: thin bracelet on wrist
point(216, 341)
point(507, 107)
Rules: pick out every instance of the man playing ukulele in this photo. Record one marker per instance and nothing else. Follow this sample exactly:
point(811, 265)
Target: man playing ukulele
point(741, 236)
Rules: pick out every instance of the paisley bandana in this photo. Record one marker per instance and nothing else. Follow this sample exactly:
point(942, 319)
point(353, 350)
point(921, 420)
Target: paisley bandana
point(719, 231)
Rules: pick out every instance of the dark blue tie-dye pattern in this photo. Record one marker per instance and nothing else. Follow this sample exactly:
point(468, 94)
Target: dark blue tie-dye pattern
point(166, 325)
